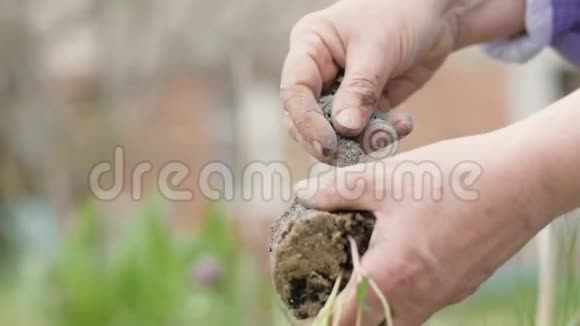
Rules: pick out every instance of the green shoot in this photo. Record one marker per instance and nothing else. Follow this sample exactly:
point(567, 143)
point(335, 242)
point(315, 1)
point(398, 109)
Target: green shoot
point(363, 281)
point(361, 293)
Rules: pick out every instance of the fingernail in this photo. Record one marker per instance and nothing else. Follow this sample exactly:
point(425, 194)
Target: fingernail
point(318, 147)
point(403, 123)
point(323, 152)
point(349, 118)
point(303, 190)
point(404, 126)
point(403, 130)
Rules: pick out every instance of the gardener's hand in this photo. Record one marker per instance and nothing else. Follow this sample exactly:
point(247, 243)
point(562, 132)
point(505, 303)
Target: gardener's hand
point(448, 215)
point(389, 49)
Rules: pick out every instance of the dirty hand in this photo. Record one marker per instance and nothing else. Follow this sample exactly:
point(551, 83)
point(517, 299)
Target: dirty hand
point(449, 214)
point(388, 49)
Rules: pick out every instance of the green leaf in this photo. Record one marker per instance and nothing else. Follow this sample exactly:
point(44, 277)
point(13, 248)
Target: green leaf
point(361, 293)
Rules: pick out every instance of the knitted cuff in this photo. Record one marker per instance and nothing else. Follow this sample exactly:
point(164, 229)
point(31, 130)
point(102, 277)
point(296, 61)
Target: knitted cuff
point(539, 34)
point(566, 34)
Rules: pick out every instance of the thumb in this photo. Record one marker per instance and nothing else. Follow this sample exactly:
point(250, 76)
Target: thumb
point(356, 187)
point(366, 74)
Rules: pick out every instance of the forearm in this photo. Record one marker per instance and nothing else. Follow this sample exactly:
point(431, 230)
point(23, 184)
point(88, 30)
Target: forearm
point(558, 147)
point(549, 151)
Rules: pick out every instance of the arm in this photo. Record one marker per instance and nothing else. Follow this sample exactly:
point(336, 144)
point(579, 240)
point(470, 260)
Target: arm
point(388, 49)
point(435, 243)
point(488, 20)
point(553, 142)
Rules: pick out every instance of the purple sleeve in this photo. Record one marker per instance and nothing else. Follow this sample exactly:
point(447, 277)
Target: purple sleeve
point(566, 32)
point(548, 22)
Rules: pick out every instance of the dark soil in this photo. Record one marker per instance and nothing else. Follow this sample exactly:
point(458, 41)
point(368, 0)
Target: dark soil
point(310, 249)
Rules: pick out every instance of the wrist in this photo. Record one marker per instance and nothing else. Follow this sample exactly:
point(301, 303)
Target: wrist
point(513, 174)
point(480, 21)
point(549, 160)
point(559, 153)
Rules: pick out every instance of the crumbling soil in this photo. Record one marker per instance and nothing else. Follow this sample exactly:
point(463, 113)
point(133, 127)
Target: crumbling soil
point(310, 248)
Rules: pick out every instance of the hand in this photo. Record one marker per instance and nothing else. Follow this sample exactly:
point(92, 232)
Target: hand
point(388, 48)
point(469, 205)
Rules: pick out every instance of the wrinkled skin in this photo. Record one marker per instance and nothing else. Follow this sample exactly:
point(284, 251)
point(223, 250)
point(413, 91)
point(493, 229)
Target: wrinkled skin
point(436, 241)
point(388, 49)
point(428, 253)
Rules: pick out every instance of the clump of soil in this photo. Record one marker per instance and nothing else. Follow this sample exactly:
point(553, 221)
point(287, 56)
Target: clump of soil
point(310, 248)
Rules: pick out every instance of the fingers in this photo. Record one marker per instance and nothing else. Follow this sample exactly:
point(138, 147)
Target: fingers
point(309, 65)
point(401, 121)
point(305, 115)
point(386, 131)
point(401, 273)
point(358, 187)
point(373, 260)
point(311, 147)
point(357, 97)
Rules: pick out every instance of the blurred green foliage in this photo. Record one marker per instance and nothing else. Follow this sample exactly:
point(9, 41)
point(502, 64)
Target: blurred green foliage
point(149, 276)
point(568, 307)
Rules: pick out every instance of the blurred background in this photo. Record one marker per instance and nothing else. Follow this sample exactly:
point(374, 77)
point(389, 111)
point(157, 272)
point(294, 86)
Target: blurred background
point(196, 81)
